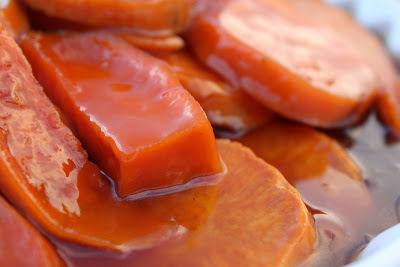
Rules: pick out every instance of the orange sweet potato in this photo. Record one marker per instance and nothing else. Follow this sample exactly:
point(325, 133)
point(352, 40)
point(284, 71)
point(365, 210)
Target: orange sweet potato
point(13, 18)
point(159, 17)
point(258, 219)
point(132, 115)
point(290, 62)
point(224, 105)
point(21, 244)
point(370, 48)
point(325, 175)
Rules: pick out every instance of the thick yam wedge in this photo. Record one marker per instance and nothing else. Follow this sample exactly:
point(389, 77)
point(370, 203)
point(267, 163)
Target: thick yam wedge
point(370, 48)
point(148, 17)
point(224, 105)
point(21, 244)
point(325, 175)
point(256, 219)
point(45, 172)
point(132, 115)
point(13, 18)
point(285, 59)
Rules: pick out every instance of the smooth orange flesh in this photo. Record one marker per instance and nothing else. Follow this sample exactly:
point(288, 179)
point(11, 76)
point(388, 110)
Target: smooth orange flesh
point(132, 115)
point(328, 180)
point(224, 105)
point(148, 17)
point(288, 61)
point(21, 244)
point(253, 218)
point(13, 18)
point(370, 48)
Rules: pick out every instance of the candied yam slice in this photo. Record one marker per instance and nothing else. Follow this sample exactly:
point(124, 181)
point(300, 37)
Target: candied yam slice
point(154, 17)
point(327, 178)
point(132, 115)
point(258, 219)
point(45, 172)
point(13, 18)
point(224, 105)
point(285, 59)
point(20, 243)
point(370, 47)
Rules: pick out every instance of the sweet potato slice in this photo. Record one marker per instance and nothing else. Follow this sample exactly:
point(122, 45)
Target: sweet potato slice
point(327, 178)
point(13, 18)
point(257, 219)
point(132, 115)
point(21, 244)
point(224, 105)
point(154, 17)
point(288, 61)
point(370, 48)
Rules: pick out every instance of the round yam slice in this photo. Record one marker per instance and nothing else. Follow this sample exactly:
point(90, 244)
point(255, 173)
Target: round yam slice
point(370, 48)
point(20, 243)
point(256, 219)
point(149, 17)
point(225, 106)
point(290, 62)
point(327, 178)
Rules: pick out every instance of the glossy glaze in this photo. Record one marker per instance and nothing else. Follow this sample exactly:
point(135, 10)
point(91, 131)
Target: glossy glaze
point(138, 15)
point(224, 105)
point(251, 217)
point(285, 59)
point(132, 115)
